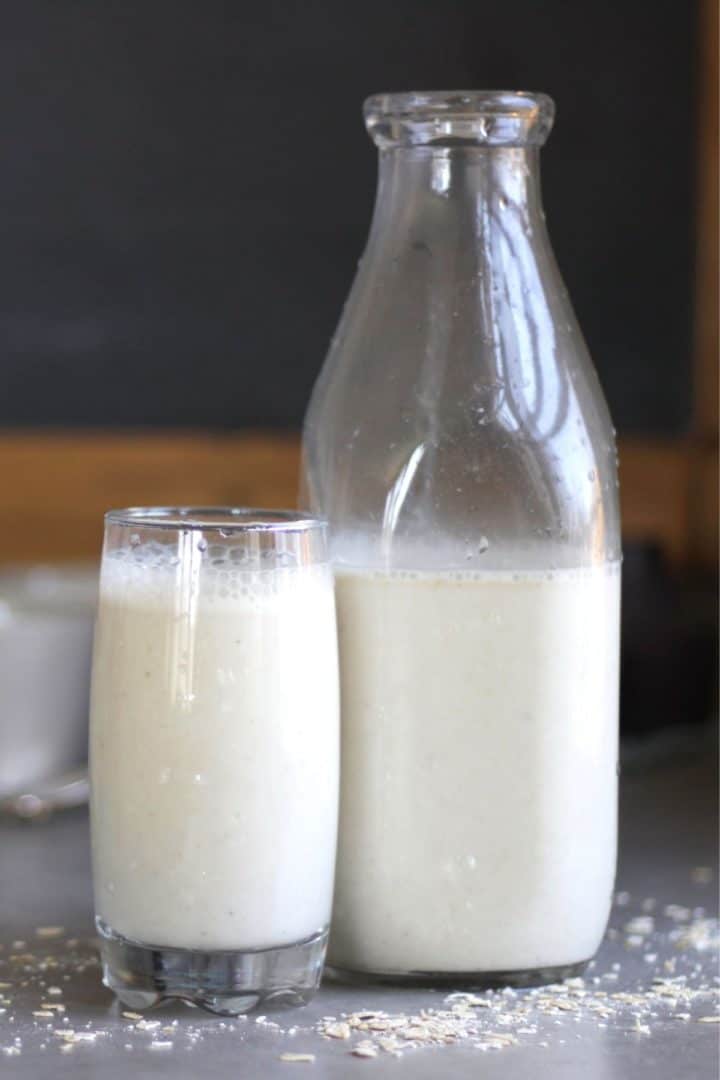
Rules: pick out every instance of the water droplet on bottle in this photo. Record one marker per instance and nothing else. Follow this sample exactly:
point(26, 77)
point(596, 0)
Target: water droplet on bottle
point(202, 544)
point(483, 545)
point(591, 476)
point(135, 540)
point(503, 202)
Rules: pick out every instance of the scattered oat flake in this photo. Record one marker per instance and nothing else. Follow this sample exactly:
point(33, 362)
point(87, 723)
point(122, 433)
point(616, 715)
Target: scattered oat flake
point(308, 1058)
point(340, 1030)
point(364, 1051)
point(132, 1016)
point(159, 1044)
point(43, 1014)
point(49, 931)
point(641, 924)
point(677, 912)
point(709, 1019)
point(54, 990)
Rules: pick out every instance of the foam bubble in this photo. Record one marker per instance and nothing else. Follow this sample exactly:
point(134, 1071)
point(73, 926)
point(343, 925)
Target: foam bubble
point(155, 574)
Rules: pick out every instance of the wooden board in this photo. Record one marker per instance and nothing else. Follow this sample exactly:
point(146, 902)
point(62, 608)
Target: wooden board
point(55, 488)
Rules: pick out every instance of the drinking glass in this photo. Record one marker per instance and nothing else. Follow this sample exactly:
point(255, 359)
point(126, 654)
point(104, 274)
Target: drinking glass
point(214, 756)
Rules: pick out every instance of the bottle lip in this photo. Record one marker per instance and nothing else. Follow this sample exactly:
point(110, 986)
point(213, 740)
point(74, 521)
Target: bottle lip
point(459, 118)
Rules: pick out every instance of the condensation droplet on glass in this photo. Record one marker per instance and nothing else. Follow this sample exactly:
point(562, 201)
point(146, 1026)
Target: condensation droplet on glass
point(202, 544)
point(483, 545)
point(503, 202)
point(135, 540)
point(591, 476)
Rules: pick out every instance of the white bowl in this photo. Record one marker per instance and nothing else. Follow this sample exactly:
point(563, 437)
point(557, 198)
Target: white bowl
point(46, 625)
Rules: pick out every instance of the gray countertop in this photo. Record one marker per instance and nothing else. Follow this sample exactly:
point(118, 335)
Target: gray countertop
point(668, 856)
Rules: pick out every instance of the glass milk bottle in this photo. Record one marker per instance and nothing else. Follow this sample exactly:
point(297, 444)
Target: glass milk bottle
point(460, 446)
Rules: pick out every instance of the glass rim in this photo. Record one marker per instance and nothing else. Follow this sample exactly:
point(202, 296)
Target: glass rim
point(228, 519)
point(459, 118)
point(460, 102)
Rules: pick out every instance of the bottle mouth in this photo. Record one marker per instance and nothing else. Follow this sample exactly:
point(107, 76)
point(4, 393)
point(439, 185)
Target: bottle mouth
point(459, 118)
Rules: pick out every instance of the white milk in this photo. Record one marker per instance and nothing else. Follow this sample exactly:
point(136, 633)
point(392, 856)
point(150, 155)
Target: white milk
point(214, 754)
point(478, 804)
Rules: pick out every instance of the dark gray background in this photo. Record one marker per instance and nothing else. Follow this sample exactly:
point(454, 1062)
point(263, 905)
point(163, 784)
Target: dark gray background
point(185, 188)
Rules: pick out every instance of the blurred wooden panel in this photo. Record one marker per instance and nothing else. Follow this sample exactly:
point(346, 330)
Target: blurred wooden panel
point(56, 486)
point(703, 534)
point(654, 494)
point(703, 525)
point(707, 227)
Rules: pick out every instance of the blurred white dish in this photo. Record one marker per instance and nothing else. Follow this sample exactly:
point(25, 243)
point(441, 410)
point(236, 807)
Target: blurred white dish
point(46, 625)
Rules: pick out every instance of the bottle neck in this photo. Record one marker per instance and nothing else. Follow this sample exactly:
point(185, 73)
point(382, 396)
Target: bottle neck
point(458, 188)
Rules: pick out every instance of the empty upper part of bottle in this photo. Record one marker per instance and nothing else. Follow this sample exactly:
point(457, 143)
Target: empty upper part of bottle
point(458, 421)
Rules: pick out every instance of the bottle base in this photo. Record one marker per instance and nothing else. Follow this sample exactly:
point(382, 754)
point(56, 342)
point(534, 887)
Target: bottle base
point(226, 982)
point(458, 980)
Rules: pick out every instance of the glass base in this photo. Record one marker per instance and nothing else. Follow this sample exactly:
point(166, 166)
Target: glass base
point(227, 982)
point(460, 980)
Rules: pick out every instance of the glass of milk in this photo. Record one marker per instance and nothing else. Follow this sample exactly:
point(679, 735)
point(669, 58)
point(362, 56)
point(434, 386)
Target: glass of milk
point(214, 756)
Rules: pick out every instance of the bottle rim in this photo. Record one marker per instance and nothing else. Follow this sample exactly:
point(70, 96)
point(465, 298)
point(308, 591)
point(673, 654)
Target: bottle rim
point(459, 118)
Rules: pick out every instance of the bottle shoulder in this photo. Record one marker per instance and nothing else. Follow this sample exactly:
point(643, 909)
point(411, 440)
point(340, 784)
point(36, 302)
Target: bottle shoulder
point(528, 461)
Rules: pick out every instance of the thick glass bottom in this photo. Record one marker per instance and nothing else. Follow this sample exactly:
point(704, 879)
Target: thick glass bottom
point(458, 980)
point(227, 982)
